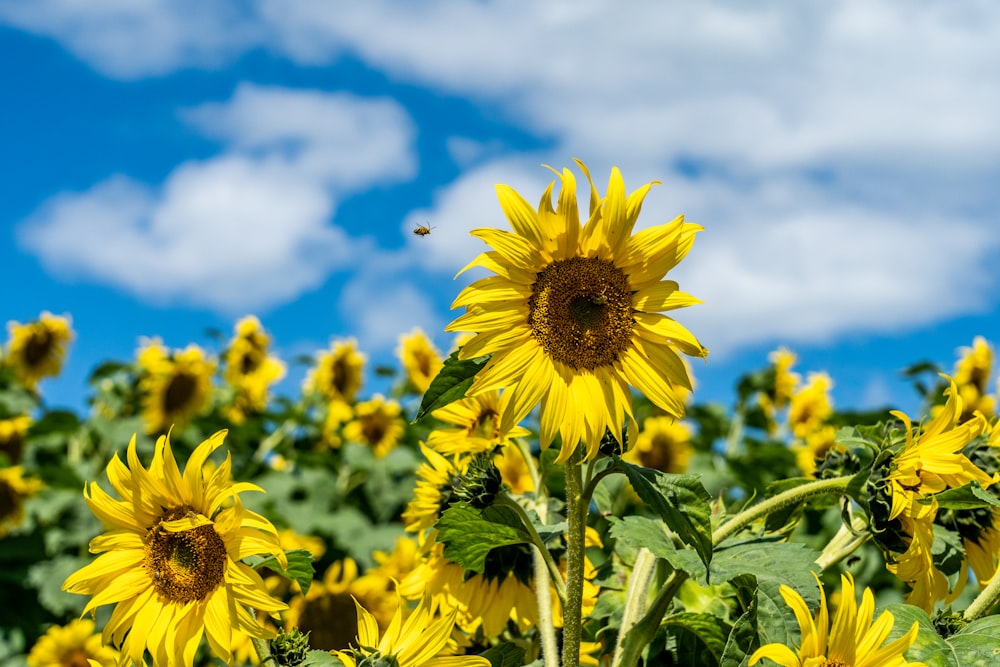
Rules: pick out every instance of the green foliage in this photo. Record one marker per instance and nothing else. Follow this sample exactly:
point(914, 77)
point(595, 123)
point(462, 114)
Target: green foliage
point(299, 570)
point(470, 534)
point(450, 384)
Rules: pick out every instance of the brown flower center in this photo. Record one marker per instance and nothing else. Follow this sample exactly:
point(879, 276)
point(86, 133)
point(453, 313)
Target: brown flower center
point(180, 391)
point(76, 657)
point(39, 347)
point(186, 565)
point(486, 426)
point(580, 311)
point(10, 500)
point(331, 621)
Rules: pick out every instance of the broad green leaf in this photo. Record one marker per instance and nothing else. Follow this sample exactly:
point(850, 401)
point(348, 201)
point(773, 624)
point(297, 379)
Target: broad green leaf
point(968, 497)
point(450, 384)
point(469, 535)
point(978, 643)
point(742, 640)
point(640, 531)
point(320, 659)
point(680, 500)
point(300, 568)
point(929, 647)
point(504, 655)
point(701, 638)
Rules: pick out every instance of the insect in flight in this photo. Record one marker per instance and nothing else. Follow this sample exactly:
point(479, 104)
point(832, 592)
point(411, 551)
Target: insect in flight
point(422, 230)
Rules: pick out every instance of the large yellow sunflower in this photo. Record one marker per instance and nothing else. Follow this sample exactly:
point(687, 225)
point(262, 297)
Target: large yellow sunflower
point(176, 386)
point(37, 349)
point(170, 559)
point(71, 645)
point(250, 370)
point(572, 316)
point(852, 641)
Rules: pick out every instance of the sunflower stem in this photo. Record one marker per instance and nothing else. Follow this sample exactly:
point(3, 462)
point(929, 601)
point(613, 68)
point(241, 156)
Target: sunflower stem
point(588, 492)
point(546, 628)
point(635, 598)
point(263, 648)
point(576, 518)
point(844, 543)
point(536, 540)
point(642, 632)
point(536, 480)
point(985, 601)
point(777, 502)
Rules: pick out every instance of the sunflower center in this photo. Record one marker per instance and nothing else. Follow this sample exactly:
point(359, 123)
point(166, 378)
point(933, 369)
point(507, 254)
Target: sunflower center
point(374, 429)
point(38, 347)
point(660, 455)
point(75, 658)
point(580, 311)
point(9, 500)
point(486, 426)
point(833, 662)
point(187, 565)
point(251, 361)
point(179, 392)
point(331, 621)
point(13, 447)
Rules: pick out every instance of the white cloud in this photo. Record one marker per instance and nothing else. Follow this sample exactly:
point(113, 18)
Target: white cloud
point(246, 230)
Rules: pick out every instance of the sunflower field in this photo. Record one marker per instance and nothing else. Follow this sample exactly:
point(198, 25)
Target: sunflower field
point(548, 492)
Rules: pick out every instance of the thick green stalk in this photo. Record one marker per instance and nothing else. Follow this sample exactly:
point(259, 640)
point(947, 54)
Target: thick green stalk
point(988, 597)
point(844, 543)
point(642, 632)
point(635, 599)
point(263, 648)
point(780, 501)
point(536, 539)
point(546, 628)
point(576, 517)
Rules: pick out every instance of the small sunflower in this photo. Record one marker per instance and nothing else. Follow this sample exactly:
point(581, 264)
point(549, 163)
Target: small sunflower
point(338, 372)
point(170, 559)
point(12, 434)
point(338, 413)
point(814, 447)
point(176, 386)
point(249, 370)
point(852, 641)
point(36, 350)
point(476, 424)
point(377, 423)
point(811, 406)
point(420, 641)
point(972, 374)
point(572, 316)
point(15, 488)
point(71, 645)
point(663, 444)
point(785, 382)
point(420, 359)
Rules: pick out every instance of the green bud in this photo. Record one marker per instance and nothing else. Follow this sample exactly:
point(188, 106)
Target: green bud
point(481, 482)
point(290, 648)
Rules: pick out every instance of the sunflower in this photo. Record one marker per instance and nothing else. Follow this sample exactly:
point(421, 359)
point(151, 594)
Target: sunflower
point(15, 488)
point(572, 316)
point(71, 645)
point(170, 559)
point(12, 433)
point(377, 423)
point(852, 641)
point(476, 424)
point(418, 642)
point(176, 386)
point(785, 382)
point(433, 492)
point(814, 447)
point(811, 406)
point(663, 444)
point(37, 349)
point(514, 470)
point(250, 371)
point(972, 374)
point(420, 359)
point(338, 372)
point(338, 413)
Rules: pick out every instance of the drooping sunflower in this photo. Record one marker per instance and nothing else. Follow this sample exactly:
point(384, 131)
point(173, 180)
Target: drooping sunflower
point(663, 444)
point(249, 369)
point(170, 559)
point(176, 386)
point(477, 425)
point(12, 434)
point(420, 359)
point(417, 642)
point(338, 372)
point(377, 423)
point(852, 641)
point(71, 645)
point(572, 317)
point(15, 488)
point(37, 349)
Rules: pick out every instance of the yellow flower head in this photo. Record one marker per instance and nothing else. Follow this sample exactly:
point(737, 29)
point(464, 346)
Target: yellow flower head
point(377, 423)
point(12, 433)
point(514, 470)
point(338, 372)
point(420, 641)
point(572, 317)
point(814, 447)
point(434, 487)
point(170, 559)
point(176, 386)
point(249, 368)
point(852, 641)
point(477, 421)
point(15, 488)
point(811, 406)
point(975, 365)
point(420, 359)
point(37, 349)
point(338, 413)
point(663, 444)
point(71, 645)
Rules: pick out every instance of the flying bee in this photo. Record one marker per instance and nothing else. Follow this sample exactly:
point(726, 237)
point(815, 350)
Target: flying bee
point(422, 230)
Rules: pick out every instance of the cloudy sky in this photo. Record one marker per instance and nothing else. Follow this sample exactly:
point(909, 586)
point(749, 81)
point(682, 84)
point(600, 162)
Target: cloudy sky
point(170, 166)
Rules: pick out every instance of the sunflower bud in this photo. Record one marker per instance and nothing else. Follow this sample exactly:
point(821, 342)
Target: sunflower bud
point(290, 648)
point(480, 484)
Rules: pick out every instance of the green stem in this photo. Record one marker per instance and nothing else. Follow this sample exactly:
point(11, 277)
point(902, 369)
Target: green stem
point(588, 492)
point(635, 598)
point(642, 632)
point(263, 648)
point(546, 628)
point(988, 597)
point(735, 432)
point(536, 539)
point(844, 543)
point(780, 501)
point(576, 516)
point(529, 461)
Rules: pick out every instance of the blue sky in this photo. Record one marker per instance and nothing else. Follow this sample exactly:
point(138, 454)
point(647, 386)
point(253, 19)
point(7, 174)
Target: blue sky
point(172, 166)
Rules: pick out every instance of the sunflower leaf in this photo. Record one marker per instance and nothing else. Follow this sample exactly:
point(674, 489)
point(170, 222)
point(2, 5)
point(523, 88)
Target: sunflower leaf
point(300, 568)
point(504, 655)
point(680, 500)
point(928, 647)
point(450, 384)
point(976, 643)
point(968, 497)
point(469, 535)
point(701, 638)
point(321, 659)
point(640, 531)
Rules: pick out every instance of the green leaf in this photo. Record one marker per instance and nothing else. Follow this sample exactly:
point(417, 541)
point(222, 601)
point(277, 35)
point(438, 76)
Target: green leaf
point(742, 640)
point(504, 655)
point(450, 384)
point(968, 497)
point(321, 659)
point(680, 500)
point(640, 531)
point(469, 535)
point(300, 568)
point(977, 643)
point(929, 647)
point(709, 633)
point(55, 421)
